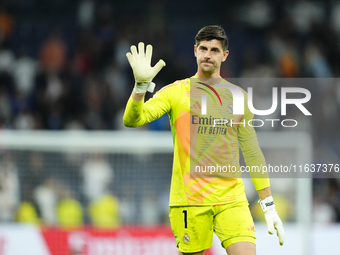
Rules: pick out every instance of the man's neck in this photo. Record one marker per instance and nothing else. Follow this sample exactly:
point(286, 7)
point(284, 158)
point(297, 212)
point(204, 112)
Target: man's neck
point(204, 75)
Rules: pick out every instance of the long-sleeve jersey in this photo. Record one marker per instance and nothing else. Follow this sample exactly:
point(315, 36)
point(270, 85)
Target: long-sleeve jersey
point(198, 142)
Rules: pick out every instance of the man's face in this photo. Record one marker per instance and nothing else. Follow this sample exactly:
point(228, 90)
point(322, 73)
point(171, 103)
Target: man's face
point(210, 55)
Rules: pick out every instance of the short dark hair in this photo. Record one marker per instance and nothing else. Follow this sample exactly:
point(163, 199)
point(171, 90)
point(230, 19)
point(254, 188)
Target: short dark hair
point(209, 33)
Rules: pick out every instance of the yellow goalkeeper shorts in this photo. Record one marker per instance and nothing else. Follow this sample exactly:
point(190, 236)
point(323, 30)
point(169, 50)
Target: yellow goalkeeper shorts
point(193, 226)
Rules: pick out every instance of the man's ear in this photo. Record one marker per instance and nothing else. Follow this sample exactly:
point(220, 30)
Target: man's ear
point(195, 50)
point(226, 53)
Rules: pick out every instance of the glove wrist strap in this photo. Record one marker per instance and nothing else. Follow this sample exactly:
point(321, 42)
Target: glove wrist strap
point(142, 87)
point(267, 204)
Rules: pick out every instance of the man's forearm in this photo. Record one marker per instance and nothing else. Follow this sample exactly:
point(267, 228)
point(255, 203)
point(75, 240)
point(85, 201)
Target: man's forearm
point(263, 193)
point(133, 110)
point(137, 96)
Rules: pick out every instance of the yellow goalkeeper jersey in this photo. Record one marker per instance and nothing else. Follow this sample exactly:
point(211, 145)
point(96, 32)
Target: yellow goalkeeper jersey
point(219, 144)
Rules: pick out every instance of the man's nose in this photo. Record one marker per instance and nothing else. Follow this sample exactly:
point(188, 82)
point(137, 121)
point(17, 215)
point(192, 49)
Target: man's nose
point(207, 54)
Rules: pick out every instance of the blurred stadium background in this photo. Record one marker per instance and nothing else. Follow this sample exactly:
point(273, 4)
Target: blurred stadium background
point(64, 83)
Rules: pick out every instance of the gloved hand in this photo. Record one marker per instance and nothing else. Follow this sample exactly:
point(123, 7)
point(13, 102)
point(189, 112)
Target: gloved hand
point(141, 66)
point(272, 218)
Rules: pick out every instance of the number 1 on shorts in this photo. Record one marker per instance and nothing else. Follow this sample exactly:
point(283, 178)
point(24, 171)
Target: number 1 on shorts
point(185, 218)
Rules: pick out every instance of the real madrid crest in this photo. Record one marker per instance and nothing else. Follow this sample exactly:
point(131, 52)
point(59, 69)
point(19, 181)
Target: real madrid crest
point(230, 108)
point(186, 238)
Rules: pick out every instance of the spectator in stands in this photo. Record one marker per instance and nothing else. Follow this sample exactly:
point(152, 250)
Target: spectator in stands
point(24, 71)
point(128, 204)
point(49, 87)
point(53, 53)
point(97, 176)
point(104, 212)
point(86, 13)
point(9, 188)
point(46, 198)
point(6, 25)
point(27, 213)
point(69, 209)
point(149, 211)
point(33, 176)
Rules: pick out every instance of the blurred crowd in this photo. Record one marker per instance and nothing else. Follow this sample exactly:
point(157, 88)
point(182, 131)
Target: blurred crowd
point(71, 191)
point(63, 64)
point(73, 74)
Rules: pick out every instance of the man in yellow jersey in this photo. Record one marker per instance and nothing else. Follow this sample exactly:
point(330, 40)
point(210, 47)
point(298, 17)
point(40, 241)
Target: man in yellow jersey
point(200, 206)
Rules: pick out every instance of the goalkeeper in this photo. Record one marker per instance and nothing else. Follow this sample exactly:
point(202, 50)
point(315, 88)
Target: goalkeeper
point(200, 206)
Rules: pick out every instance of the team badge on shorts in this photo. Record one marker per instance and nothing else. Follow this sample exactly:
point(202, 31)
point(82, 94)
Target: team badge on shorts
point(186, 238)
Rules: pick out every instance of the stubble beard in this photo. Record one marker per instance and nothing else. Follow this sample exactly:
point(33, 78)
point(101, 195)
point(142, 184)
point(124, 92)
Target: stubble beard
point(206, 69)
